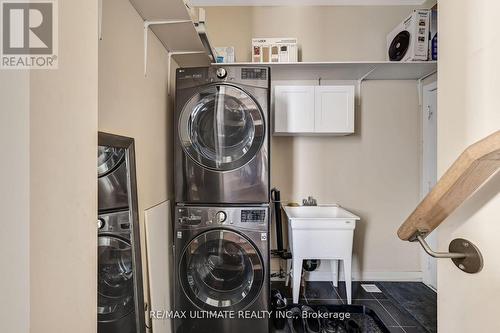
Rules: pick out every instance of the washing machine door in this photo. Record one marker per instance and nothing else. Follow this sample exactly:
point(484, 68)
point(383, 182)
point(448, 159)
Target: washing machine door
point(222, 128)
point(221, 270)
point(115, 289)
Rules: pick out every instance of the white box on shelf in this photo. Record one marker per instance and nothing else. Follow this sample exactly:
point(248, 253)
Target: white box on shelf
point(274, 50)
point(410, 39)
point(224, 54)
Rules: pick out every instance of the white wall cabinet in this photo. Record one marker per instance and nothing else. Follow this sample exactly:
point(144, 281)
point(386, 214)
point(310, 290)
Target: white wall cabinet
point(293, 109)
point(334, 109)
point(314, 110)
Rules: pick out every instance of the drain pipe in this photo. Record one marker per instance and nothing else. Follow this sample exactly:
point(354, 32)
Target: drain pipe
point(276, 199)
point(280, 251)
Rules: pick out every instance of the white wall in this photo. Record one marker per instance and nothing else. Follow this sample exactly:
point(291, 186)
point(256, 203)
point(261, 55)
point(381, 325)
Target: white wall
point(137, 106)
point(63, 187)
point(14, 201)
point(375, 173)
point(469, 109)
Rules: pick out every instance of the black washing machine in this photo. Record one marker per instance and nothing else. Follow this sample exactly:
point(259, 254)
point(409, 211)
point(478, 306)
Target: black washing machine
point(222, 268)
point(115, 285)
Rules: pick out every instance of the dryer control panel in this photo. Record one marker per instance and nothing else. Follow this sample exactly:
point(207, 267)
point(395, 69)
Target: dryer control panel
point(253, 76)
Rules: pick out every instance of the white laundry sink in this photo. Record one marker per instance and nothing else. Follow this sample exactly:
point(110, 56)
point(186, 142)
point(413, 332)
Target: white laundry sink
point(321, 232)
point(322, 217)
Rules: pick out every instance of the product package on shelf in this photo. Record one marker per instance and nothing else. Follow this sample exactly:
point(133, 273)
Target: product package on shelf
point(224, 54)
point(274, 50)
point(433, 43)
point(409, 41)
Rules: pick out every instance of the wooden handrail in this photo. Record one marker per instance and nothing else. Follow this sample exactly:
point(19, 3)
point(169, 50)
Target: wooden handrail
point(472, 168)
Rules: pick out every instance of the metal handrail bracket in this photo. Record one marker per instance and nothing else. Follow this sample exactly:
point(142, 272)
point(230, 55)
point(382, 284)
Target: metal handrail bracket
point(464, 254)
point(438, 255)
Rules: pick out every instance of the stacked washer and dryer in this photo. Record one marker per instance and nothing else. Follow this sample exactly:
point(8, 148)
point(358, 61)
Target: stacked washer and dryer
point(222, 198)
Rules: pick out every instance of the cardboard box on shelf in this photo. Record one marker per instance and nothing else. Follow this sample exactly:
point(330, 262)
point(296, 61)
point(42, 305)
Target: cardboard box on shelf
point(409, 41)
point(274, 50)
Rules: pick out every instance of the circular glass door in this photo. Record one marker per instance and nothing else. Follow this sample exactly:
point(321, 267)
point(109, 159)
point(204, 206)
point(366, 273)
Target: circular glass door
point(221, 128)
point(221, 269)
point(108, 158)
point(115, 287)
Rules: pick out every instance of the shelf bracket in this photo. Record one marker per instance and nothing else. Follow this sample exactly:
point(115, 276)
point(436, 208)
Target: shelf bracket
point(465, 255)
point(359, 81)
point(147, 24)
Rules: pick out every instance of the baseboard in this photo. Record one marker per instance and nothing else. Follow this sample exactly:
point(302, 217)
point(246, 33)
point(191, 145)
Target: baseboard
point(389, 276)
point(368, 276)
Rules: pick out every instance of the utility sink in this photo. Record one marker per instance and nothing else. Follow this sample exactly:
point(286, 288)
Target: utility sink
point(321, 232)
point(322, 217)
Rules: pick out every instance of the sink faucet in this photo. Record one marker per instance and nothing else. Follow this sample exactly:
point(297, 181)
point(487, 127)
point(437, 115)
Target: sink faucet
point(310, 201)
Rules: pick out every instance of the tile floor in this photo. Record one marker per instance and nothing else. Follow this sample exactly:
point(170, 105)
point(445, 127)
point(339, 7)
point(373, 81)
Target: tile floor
point(402, 306)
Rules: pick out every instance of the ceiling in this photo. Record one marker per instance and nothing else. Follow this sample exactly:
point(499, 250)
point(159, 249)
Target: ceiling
point(305, 2)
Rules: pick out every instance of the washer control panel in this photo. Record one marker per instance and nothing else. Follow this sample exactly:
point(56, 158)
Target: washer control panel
point(114, 222)
point(248, 217)
point(253, 216)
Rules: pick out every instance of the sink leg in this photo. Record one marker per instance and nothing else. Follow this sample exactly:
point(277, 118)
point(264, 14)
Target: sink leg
point(348, 284)
point(334, 265)
point(297, 275)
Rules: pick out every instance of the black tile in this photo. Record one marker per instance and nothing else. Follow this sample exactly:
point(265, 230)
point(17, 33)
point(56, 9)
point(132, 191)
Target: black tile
point(358, 292)
point(402, 317)
point(410, 329)
point(415, 298)
point(409, 304)
point(375, 306)
point(325, 301)
point(381, 295)
point(320, 290)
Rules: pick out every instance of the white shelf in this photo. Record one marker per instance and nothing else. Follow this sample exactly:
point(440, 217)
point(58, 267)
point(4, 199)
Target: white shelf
point(176, 37)
point(359, 70)
point(191, 60)
point(156, 10)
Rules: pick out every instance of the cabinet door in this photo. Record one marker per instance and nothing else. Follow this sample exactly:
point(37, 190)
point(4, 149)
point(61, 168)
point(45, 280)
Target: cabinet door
point(294, 109)
point(334, 109)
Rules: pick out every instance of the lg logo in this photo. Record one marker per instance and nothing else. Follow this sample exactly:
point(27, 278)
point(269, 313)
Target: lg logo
point(29, 33)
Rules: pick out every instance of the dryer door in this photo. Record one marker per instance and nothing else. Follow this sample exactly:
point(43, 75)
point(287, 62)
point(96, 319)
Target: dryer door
point(222, 128)
point(112, 178)
point(115, 289)
point(221, 269)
